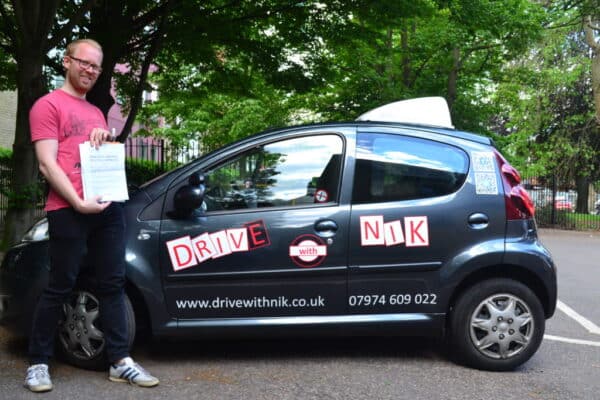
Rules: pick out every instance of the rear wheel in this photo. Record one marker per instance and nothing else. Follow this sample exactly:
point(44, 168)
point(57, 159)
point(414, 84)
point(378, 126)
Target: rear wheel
point(496, 325)
point(81, 339)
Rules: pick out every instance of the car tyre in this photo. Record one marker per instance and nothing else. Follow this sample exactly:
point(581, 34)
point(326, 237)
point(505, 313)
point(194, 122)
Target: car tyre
point(80, 339)
point(496, 325)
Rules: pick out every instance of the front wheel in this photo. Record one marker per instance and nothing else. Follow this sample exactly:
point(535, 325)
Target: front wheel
point(81, 340)
point(496, 325)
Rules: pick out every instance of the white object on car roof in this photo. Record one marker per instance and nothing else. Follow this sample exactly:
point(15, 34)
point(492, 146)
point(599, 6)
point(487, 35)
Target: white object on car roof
point(423, 111)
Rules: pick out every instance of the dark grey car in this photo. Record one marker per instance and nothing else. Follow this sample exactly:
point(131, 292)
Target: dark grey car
point(361, 228)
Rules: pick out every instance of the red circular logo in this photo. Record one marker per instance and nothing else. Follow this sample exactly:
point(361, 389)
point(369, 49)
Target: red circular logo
point(308, 251)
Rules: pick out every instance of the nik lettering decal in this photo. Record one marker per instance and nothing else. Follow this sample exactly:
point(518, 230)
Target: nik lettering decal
point(375, 232)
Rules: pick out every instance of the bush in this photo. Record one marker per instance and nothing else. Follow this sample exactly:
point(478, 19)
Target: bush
point(5, 155)
point(140, 171)
point(5, 171)
point(5, 164)
point(29, 196)
point(543, 217)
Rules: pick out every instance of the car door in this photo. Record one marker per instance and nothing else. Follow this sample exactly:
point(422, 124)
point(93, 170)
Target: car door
point(415, 216)
point(270, 238)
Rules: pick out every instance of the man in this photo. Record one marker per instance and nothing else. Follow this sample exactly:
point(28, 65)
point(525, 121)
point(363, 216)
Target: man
point(59, 122)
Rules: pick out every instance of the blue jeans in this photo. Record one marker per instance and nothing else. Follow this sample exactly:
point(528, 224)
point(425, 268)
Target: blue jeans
point(71, 234)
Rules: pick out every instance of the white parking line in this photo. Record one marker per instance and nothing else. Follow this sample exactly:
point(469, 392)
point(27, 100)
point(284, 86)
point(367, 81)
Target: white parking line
point(574, 341)
point(580, 319)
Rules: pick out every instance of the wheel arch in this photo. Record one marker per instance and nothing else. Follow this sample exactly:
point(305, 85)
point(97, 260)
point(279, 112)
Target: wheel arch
point(140, 308)
point(509, 271)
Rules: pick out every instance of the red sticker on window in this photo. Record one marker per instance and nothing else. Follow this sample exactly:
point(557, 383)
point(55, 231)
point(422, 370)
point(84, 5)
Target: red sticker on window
point(321, 196)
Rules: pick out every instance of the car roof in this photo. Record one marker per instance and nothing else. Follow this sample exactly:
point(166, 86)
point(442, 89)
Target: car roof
point(369, 125)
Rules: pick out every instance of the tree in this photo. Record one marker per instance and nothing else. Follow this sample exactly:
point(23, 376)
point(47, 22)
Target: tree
point(194, 30)
point(247, 70)
point(29, 31)
point(228, 68)
point(350, 58)
point(433, 48)
point(25, 37)
point(591, 26)
point(546, 107)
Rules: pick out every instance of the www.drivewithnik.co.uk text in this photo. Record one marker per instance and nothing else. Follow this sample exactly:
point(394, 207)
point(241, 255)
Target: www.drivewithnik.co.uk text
point(253, 302)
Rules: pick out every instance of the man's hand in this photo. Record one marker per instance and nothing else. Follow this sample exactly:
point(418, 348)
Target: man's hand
point(91, 206)
point(99, 136)
point(46, 151)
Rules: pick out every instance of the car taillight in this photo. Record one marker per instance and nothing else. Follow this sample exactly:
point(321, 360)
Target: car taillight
point(517, 201)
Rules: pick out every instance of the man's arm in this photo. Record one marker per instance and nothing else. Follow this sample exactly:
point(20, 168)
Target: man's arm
point(46, 151)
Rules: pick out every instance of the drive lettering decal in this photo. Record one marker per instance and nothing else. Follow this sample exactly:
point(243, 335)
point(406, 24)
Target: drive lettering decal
point(186, 252)
point(375, 232)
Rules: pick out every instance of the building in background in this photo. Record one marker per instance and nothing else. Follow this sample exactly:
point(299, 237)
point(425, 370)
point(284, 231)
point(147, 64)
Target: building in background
point(8, 117)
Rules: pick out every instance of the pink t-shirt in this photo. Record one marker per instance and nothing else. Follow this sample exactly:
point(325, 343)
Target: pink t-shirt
point(69, 120)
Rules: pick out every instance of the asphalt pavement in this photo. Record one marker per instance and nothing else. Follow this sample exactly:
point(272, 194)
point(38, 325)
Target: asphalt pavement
point(567, 365)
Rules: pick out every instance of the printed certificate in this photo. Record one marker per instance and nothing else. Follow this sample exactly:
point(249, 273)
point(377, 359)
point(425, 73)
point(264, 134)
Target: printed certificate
point(103, 171)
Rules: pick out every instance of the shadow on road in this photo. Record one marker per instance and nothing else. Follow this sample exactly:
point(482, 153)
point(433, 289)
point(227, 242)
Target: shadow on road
point(292, 348)
point(180, 350)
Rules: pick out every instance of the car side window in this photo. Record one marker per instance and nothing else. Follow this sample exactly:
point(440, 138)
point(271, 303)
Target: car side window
point(395, 167)
point(291, 172)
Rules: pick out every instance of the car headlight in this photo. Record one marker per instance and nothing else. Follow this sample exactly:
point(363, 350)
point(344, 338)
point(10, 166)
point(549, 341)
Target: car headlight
point(38, 232)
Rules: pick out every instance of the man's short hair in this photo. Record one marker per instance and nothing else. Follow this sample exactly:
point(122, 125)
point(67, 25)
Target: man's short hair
point(71, 47)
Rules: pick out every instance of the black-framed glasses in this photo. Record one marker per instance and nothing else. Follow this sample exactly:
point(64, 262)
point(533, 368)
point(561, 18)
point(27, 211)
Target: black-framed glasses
point(87, 65)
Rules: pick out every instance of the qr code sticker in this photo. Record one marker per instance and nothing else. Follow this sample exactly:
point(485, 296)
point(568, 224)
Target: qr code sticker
point(485, 183)
point(483, 161)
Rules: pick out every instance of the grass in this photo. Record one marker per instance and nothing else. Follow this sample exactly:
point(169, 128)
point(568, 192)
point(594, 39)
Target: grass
point(566, 220)
point(583, 222)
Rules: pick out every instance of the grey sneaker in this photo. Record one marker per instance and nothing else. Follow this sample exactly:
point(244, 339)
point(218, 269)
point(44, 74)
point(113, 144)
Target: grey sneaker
point(131, 372)
point(38, 378)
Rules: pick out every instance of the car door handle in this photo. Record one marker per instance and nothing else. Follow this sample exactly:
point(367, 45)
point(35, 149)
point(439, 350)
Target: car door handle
point(478, 221)
point(144, 234)
point(326, 228)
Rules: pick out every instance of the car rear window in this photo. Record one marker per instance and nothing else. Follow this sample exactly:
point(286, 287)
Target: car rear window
point(394, 167)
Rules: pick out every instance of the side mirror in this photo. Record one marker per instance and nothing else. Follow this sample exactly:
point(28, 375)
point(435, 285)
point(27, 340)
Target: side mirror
point(189, 197)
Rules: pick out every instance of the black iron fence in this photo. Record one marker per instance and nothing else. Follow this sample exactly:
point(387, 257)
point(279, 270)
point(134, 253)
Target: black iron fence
point(556, 200)
point(559, 205)
point(161, 152)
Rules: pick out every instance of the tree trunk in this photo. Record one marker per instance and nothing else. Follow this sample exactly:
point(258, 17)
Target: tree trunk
point(591, 28)
point(453, 77)
point(596, 82)
point(100, 94)
point(406, 61)
point(24, 183)
point(390, 60)
point(583, 187)
point(108, 22)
